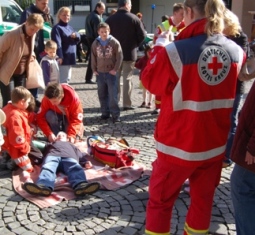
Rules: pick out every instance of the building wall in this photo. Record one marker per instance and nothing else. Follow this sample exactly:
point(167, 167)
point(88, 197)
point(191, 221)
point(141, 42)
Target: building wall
point(152, 18)
point(241, 8)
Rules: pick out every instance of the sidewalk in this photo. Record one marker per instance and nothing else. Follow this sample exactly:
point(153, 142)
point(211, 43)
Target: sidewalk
point(108, 212)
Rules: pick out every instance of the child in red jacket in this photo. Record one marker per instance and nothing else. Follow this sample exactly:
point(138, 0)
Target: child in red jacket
point(16, 129)
point(141, 64)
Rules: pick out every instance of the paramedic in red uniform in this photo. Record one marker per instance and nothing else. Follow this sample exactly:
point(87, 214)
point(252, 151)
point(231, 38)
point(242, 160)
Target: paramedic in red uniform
point(174, 23)
point(196, 77)
point(61, 110)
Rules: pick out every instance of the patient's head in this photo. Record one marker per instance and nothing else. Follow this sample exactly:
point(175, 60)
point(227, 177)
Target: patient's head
point(62, 136)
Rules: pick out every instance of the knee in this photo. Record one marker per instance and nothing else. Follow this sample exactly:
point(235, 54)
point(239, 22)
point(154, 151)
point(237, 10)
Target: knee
point(51, 117)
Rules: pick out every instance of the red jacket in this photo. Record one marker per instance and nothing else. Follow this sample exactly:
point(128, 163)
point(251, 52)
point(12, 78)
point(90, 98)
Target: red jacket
point(17, 131)
point(196, 78)
point(245, 134)
point(72, 109)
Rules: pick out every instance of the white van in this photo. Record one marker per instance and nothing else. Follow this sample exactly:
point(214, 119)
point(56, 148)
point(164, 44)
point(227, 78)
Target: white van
point(10, 13)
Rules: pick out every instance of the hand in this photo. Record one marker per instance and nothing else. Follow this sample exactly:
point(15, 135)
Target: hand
point(34, 129)
point(71, 139)
point(113, 72)
point(52, 138)
point(96, 73)
point(32, 58)
point(88, 165)
point(249, 159)
point(73, 35)
point(30, 170)
point(244, 77)
point(60, 61)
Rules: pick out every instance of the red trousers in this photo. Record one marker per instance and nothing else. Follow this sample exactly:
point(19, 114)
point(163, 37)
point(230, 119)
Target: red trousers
point(165, 185)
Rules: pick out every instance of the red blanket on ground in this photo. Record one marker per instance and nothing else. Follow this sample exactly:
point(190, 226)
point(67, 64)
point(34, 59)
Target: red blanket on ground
point(109, 178)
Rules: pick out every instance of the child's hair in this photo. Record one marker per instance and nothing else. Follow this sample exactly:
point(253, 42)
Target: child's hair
point(20, 93)
point(53, 90)
point(31, 105)
point(51, 45)
point(62, 10)
point(103, 25)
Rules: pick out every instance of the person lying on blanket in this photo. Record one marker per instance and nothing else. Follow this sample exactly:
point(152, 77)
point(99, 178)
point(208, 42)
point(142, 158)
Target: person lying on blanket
point(63, 156)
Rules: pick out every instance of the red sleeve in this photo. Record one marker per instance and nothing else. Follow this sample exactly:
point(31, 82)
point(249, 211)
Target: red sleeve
point(17, 135)
point(159, 77)
point(74, 112)
point(75, 119)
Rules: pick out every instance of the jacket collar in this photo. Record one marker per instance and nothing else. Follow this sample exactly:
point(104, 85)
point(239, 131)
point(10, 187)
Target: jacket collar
point(194, 29)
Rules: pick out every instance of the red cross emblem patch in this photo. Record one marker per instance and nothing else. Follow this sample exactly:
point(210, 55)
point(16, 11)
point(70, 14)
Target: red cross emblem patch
point(20, 140)
point(214, 65)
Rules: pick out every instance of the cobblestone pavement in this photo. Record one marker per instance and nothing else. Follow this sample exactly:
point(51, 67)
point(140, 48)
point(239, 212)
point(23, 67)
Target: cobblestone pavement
point(108, 212)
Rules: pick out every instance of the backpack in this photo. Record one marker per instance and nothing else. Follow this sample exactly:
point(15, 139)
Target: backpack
point(112, 152)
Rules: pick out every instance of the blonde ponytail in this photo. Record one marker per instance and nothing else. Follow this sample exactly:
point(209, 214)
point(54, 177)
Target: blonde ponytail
point(214, 12)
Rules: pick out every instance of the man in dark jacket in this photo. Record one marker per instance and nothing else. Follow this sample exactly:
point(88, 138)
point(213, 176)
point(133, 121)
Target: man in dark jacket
point(91, 23)
point(243, 175)
point(39, 7)
point(127, 28)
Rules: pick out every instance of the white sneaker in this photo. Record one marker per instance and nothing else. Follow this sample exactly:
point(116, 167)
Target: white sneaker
point(186, 190)
point(186, 182)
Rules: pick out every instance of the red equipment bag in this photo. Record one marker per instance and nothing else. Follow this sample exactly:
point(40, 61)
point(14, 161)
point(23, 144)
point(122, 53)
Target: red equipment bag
point(112, 152)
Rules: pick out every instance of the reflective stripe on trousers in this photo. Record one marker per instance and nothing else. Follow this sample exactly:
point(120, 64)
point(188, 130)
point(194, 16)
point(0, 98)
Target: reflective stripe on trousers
point(23, 162)
point(190, 231)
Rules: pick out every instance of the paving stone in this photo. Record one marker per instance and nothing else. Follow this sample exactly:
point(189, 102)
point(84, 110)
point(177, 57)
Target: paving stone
point(122, 211)
point(13, 225)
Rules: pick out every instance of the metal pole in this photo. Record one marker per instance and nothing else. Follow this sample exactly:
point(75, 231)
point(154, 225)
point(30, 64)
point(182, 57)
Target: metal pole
point(153, 6)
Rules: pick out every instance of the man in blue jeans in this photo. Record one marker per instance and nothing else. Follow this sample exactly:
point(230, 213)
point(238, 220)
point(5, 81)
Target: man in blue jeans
point(63, 156)
point(243, 175)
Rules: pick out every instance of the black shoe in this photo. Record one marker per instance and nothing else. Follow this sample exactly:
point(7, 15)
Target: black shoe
point(90, 82)
point(80, 60)
point(155, 111)
point(129, 108)
point(38, 190)
point(86, 188)
point(117, 119)
point(104, 117)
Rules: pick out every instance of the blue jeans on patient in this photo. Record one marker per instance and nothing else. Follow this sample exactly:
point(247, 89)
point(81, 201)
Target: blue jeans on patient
point(243, 198)
point(69, 166)
point(108, 94)
point(234, 122)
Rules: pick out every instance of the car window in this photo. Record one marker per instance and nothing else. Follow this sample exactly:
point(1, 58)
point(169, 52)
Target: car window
point(10, 13)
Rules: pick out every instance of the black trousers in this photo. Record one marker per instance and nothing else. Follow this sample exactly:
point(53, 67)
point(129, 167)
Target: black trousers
point(89, 73)
point(16, 80)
